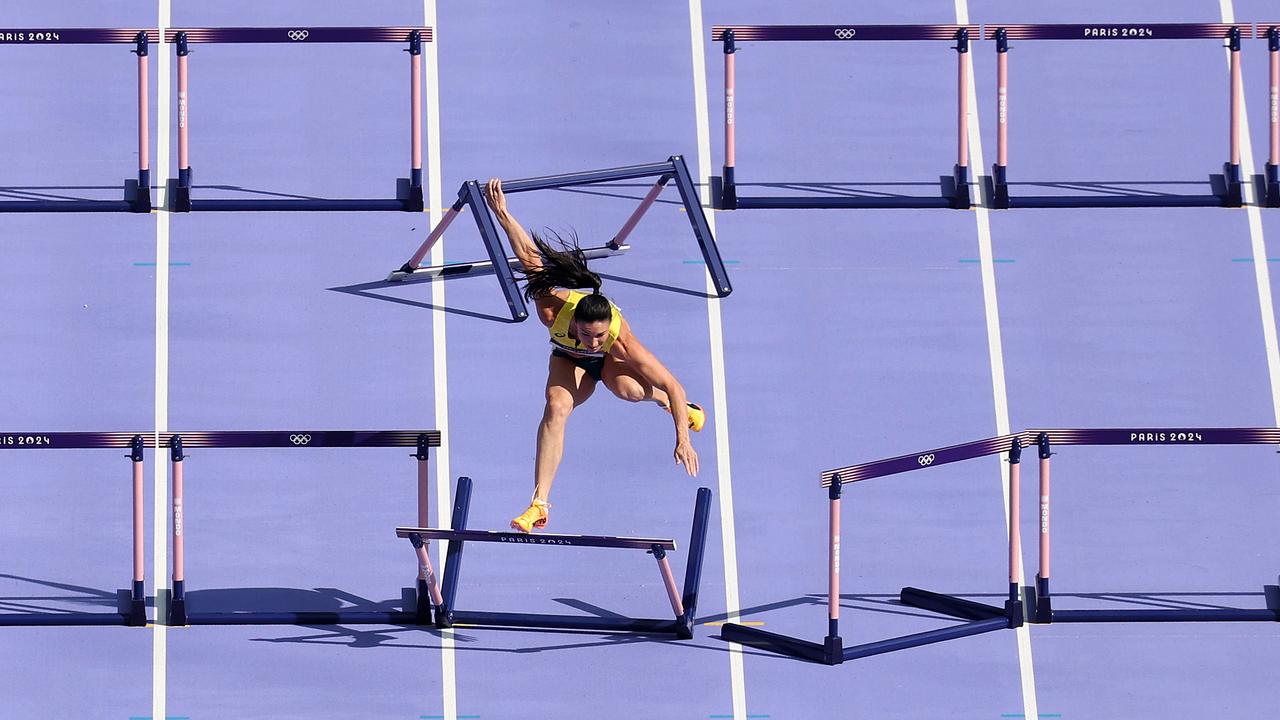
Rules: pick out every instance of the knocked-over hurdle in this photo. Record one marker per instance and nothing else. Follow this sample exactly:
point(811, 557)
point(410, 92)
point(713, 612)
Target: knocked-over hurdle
point(683, 604)
point(955, 189)
point(1272, 177)
point(1041, 599)
point(471, 195)
point(980, 618)
point(132, 603)
point(1227, 190)
point(178, 614)
point(408, 190)
point(137, 193)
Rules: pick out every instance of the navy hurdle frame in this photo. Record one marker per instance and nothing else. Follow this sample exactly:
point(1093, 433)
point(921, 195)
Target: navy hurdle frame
point(954, 188)
point(177, 612)
point(409, 197)
point(1227, 188)
point(137, 193)
point(684, 604)
point(132, 603)
point(1040, 599)
point(979, 618)
point(471, 195)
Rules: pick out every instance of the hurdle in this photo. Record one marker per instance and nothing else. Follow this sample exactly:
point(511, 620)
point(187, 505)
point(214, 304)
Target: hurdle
point(1271, 181)
point(1041, 600)
point(132, 603)
point(471, 195)
point(1227, 190)
point(408, 190)
point(177, 443)
point(954, 188)
point(137, 193)
point(683, 605)
point(980, 618)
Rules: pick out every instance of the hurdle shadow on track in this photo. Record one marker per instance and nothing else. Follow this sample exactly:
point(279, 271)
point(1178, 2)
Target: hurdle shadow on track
point(257, 193)
point(850, 189)
point(364, 290)
point(85, 596)
point(1107, 193)
point(41, 193)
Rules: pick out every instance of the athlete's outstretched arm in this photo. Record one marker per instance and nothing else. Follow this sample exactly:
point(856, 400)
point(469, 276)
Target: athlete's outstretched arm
point(521, 243)
point(629, 350)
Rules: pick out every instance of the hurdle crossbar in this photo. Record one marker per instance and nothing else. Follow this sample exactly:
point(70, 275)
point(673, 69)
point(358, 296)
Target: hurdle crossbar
point(954, 188)
point(178, 442)
point(1227, 188)
point(1271, 176)
point(408, 197)
point(471, 195)
point(137, 192)
point(132, 603)
point(980, 618)
point(683, 603)
point(1042, 604)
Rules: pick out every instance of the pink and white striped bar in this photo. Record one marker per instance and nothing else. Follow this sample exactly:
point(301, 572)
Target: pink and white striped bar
point(184, 163)
point(669, 581)
point(144, 120)
point(730, 130)
point(179, 542)
point(962, 110)
point(1002, 109)
point(1044, 519)
point(139, 573)
point(1015, 523)
point(833, 558)
point(415, 113)
point(1274, 95)
point(434, 236)
point(639, 212)
point(1237, 92)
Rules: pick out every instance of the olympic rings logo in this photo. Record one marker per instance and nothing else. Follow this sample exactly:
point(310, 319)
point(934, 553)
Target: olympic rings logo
point(299, 439)
point(845, 33)
point(298, 34)
point(925, 460)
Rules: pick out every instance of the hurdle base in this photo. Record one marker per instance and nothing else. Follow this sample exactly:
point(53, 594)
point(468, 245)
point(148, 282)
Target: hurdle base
point(1227, 192)
point(338, 617)
point(828, 652)
point(1271, 186)
point(959, 607)
point(959, 190)
point(1046, 614)
point(408, 199)
point(473, 618)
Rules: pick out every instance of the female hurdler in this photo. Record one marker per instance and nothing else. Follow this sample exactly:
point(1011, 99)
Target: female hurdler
point(591, 342)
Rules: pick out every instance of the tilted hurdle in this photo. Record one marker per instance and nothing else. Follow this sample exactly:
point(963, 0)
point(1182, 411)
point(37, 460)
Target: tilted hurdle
point(955, 188)
point(1227, 189)
point(471, 195)
point(137, 193)
point(980, 618)
point(408, 190)
point(132, 603)
point(177, 443)
point(445, 599)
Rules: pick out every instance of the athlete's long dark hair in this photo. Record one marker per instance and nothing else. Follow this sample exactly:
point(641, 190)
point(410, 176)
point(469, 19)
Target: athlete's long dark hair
point(566, 267)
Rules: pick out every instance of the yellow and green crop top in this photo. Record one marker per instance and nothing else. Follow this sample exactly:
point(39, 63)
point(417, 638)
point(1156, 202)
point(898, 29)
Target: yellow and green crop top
point(562, 340)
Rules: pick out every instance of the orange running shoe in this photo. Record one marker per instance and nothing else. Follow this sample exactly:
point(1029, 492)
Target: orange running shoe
point(533, 518)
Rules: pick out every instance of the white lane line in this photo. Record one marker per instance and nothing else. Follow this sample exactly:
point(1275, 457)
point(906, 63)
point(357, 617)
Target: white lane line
point(1261, 270)
point(995, 350)
point(737, 678)
point(448, 667)
point(160, 486)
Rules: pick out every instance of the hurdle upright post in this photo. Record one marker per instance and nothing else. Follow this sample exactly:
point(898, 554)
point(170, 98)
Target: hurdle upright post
point(1013, 606)
point(832, 645)
point(178, 596)
point(141, 200)
point(415, 120)
point(428, 591)
point(453, 556)
point(639, 212)
point(1272, 178)
point(729, 193)
point(961, 174)
point(1000, 184)
point(137, 614)
point(1231, 170)
point(1044, 605)
point(182, 193)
